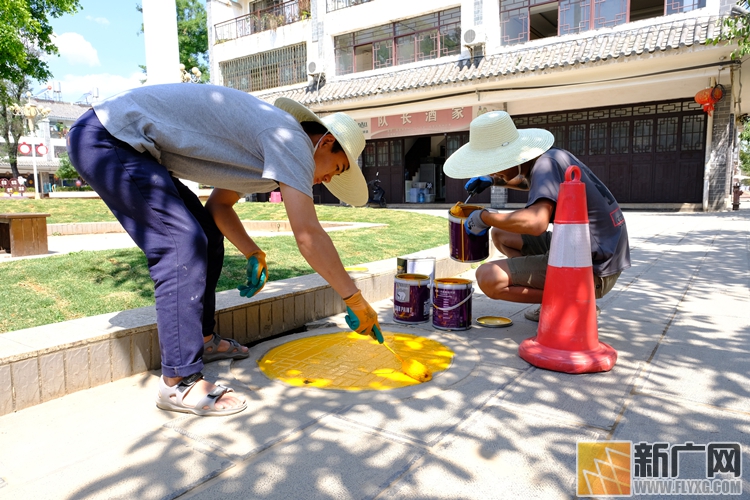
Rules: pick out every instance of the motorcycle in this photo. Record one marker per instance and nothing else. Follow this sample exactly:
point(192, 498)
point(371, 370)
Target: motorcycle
point(377, 193)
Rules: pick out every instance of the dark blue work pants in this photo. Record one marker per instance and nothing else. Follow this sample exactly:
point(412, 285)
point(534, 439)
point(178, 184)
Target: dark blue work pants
point(184, 248)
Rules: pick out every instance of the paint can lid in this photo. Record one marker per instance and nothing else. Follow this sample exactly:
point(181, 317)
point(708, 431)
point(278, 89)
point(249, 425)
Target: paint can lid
point(494, 321)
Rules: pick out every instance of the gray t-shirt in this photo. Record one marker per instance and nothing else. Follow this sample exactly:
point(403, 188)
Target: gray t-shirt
point(610, 250)
point(214, 135)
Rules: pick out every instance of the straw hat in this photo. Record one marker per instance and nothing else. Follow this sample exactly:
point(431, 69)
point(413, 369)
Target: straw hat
point(494, 145)
point(349, 186)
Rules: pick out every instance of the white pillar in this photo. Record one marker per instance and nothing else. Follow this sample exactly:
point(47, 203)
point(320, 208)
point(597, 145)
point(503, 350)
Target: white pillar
point(162, 48)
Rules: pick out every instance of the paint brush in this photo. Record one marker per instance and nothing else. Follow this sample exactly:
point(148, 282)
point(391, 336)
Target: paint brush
point(412, 367)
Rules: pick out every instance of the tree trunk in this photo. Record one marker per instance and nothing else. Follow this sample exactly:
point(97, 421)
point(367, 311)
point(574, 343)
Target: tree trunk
point(11, 125)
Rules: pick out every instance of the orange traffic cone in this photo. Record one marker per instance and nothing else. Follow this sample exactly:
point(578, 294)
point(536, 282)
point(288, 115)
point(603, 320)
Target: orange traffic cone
point(567, 339)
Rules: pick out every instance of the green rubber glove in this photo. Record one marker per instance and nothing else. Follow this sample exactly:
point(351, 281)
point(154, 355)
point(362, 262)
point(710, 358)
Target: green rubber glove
point(257, 274)
point(362, 318)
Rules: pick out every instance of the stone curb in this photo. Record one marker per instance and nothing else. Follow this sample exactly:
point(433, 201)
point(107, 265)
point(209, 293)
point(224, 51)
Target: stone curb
point(267, 226)
point(46, 362)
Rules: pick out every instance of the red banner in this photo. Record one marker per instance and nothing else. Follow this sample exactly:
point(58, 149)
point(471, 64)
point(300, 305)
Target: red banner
point(421, 123)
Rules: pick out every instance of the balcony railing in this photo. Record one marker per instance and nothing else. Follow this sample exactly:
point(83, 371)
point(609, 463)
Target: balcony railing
point(332, 5)
point(263, 20)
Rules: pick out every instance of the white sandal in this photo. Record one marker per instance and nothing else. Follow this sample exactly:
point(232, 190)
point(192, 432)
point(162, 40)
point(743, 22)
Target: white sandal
point(171, 398)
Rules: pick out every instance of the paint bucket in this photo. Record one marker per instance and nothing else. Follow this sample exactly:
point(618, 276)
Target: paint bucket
point(451, 304)
point(466, 247)
point(411, 298)
point(417, 265)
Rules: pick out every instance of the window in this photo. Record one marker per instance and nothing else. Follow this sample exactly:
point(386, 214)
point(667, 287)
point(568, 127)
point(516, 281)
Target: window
point(454, 141)
point(692, 133)
point(514, 26)
point(368, 157)
point(676, 6)
point(275, 68)
point(666, 134)
point(384, 153)
point(642, 136)
point(410, 40)
point(543, 20)
point(525, 20)
point(672, 127)
point(397, 152)
point(620, 137)
point(597, 138)
point(577, 139)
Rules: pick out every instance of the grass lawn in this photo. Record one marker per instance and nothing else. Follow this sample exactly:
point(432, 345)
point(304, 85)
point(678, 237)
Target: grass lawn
point(59, 288)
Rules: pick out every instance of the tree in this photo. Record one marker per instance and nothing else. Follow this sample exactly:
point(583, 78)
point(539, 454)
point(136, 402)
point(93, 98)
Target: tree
point(25, 38)
point(745, 151)
point(26, 35)
point(11, 125)
point(66, 170)
point(736, 29)
point(192, 36)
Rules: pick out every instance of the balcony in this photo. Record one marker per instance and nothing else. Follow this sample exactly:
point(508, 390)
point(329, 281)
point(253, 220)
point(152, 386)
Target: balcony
point(263, 20)
point(332, 5)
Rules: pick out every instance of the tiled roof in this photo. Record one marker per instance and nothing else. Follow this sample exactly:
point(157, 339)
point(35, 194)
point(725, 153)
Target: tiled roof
point(64, 111)
point(623, 41)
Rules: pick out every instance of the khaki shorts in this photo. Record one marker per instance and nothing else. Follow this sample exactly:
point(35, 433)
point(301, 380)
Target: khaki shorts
point(531, 269)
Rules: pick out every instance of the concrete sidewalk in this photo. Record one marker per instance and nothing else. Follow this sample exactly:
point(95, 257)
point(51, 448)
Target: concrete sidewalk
point(490, 427)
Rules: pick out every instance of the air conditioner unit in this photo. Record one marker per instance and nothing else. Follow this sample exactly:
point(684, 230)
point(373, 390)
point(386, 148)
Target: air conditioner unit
point(314, 68)
point(474, 36)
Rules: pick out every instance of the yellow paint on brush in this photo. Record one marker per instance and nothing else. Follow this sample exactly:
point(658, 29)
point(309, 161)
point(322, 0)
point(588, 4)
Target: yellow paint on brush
point(351, 362)
point(412, 367)
point(416, 370)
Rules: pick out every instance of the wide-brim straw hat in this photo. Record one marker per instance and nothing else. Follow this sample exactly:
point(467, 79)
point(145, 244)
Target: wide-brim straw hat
point(349, 186)
point(495, 145)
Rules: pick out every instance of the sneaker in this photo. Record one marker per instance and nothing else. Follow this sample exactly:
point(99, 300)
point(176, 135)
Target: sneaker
point(532, 314)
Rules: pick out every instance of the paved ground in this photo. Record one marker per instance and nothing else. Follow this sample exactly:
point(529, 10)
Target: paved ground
point(491, 427)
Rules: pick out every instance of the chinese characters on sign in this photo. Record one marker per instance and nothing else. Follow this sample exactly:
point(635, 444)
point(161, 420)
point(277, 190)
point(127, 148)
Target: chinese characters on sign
point(423, 122)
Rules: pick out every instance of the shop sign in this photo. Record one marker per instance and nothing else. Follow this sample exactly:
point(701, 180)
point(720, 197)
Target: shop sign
point(430, 122)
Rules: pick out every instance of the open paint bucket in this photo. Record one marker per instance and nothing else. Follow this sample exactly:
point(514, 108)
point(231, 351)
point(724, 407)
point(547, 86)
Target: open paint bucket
point(466, 247)
point(411, 298)
point(451, 304)
point(417, 265)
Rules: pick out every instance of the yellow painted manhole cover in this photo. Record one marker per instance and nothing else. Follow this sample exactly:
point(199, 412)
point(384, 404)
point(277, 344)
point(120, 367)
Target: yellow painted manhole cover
point(348, 361)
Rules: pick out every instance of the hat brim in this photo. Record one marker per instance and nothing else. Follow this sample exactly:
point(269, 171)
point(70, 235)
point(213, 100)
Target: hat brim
point(469, 161)
point(349, 186)
point(297, 110)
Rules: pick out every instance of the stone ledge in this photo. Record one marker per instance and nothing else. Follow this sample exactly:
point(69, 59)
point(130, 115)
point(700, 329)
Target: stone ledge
point(252, 226)
point(46, 362)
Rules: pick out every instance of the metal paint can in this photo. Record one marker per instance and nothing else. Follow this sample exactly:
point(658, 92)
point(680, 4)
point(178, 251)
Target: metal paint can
point(411, 298)
point(451, 304)
point(417, 265)
point(466, 247)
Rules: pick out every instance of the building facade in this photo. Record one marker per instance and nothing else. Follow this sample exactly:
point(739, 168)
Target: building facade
point(51, 133)
point(615, 82)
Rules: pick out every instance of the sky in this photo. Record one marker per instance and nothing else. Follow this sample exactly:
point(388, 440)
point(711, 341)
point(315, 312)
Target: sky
point(99, 48)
